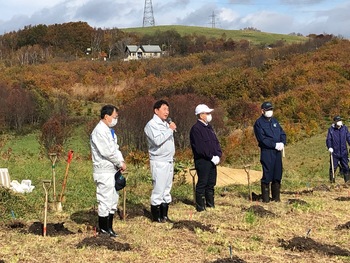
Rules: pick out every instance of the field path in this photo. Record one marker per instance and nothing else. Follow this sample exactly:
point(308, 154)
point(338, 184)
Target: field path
point(227, 176)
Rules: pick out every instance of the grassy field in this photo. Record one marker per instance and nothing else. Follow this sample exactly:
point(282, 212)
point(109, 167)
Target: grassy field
point(311, 224)
point(253, 36)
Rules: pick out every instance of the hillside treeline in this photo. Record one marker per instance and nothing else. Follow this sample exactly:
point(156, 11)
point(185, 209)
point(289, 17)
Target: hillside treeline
point(307, 82)
point(77, 40)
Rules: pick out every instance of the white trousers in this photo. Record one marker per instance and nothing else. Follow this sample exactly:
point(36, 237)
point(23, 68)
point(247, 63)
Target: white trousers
point(107, 196)
point(162, 180)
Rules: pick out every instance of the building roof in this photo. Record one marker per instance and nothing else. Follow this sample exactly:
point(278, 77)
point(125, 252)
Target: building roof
point(132, 48)
point(151, 48)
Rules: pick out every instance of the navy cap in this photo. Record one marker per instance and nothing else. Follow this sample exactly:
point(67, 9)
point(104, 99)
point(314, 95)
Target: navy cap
point(266, 106)
point(337, 118)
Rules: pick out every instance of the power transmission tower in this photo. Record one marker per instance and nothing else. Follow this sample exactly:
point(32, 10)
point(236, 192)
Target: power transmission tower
point(213, 19)
point(148, 18)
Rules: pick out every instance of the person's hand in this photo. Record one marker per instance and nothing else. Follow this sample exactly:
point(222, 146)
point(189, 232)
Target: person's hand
point(279, 146)
point(215, 160)
point(123, 166)
point(172, 126)
point(330, 149)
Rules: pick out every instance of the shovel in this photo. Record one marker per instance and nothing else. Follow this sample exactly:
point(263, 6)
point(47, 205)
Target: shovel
point(59, 204)
point(193, 173)
point(53, 158)
point(247, 169)
point(332, 163)
point(46, 186)
point(124, 198)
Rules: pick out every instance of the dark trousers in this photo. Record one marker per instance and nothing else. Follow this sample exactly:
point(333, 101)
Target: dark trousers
point(344, 166)
point(207, 173)
point(271, 161)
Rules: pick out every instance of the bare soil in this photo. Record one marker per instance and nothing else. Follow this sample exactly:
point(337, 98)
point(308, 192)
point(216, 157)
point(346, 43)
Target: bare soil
point(306, 244)
point(314, 228)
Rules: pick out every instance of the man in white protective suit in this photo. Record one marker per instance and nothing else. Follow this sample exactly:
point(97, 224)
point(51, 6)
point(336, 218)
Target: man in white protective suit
point(107, 160)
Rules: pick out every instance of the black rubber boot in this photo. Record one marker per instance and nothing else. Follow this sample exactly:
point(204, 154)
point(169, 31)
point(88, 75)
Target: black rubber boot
point(275, 191)
point(110, 226)
point(209, 199)
point(155, 211)
point(265, 192)
point(164, 208)
point(346, 177)
point(200, 202)
point(103, 224)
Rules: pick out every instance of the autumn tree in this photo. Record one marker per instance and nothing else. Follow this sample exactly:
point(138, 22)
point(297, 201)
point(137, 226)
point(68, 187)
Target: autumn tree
point(54, 133)
point(19, 108)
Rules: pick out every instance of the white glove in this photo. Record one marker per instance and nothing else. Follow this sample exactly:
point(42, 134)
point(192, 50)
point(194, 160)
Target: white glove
point(215, 160)
point(279, 146)
point(330, 150)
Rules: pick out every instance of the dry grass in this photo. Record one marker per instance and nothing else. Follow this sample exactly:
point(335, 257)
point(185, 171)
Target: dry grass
point(195, 237)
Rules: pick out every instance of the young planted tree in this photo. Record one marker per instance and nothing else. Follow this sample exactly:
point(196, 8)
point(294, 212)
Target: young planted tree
point(54, 133)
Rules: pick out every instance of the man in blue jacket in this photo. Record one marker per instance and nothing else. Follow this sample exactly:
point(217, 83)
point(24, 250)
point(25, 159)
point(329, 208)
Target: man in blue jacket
point(206, 153)
point(271, 140)
point(337, 137)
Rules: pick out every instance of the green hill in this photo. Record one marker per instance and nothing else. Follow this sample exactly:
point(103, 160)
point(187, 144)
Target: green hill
point(254, 36)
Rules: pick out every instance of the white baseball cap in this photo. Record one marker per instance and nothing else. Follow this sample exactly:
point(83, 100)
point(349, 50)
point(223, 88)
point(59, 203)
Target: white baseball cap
point(202, 108)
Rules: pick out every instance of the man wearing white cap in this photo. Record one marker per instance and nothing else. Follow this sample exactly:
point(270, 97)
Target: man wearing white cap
point(206, 153)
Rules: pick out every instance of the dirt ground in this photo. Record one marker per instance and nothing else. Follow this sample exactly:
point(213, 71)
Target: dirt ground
point(307, 226)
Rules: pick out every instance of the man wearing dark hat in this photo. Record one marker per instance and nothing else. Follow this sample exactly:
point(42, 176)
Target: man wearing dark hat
point(337, 136)
point(271, 140)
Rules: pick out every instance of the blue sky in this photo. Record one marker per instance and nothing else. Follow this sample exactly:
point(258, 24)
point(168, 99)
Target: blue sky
point(274, 16)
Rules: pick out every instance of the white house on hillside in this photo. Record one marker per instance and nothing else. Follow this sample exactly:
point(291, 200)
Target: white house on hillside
point(144, 51)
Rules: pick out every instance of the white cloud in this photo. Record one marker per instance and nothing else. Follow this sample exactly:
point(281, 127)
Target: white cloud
point(279, 16)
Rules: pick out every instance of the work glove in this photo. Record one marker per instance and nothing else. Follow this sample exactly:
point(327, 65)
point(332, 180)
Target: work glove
point(279, 146)
point(330, 149)
point(215, 160)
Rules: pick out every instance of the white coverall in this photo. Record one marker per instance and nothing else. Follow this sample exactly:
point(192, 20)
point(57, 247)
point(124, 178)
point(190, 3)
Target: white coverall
point(161, 148)
point(106, 159)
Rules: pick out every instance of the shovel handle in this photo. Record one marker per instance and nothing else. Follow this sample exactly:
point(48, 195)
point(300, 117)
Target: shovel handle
point(332, 163)
point(70, 157)
point(124, 203)
point(193, 173)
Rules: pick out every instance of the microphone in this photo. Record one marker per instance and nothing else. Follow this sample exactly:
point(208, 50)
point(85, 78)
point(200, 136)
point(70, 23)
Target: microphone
point(168, 120)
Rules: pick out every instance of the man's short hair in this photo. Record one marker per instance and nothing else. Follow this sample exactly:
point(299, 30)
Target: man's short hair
point(108, 109)
point(159, 104)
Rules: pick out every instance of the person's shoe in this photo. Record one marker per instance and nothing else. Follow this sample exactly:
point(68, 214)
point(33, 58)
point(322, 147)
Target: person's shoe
point(164, 208)
point(155, 211)
point(275, 191)
point(110, 226)
point(209, 199)
point(103, 225)
point(265, 192)
point(200, 203)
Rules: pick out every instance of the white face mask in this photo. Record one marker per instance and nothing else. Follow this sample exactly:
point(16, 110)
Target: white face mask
point(268, 114)
point(209, 118)
point(113, 123)
point(339, 123)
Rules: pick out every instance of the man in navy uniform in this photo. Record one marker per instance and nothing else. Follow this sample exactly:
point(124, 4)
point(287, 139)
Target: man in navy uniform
point(271, 140)
point(337, 137)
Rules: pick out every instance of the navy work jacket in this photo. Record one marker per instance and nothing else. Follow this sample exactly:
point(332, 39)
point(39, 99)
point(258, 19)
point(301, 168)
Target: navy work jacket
point(268, 132)
point(337, 139)
point(204, 142)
